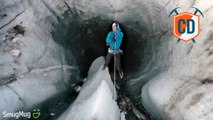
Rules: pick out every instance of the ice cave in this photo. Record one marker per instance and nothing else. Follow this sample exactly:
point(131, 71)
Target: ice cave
point(51, 52)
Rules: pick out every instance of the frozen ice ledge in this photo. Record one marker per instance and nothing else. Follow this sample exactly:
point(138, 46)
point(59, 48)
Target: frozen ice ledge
point(96, 101)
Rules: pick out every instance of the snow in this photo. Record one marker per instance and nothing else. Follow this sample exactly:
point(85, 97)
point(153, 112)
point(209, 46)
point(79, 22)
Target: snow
point(16, 52)
point(96, 99)
point(123, 116)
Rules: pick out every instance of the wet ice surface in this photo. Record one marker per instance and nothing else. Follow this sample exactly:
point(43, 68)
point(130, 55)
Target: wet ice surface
point(173, 81)
point(96, 99)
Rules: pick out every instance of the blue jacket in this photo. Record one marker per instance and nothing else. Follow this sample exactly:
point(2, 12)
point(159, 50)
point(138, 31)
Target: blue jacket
point(118, 39)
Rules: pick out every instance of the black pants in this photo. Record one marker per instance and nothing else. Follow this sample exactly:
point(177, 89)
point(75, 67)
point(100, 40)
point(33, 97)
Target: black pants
point(118, 61)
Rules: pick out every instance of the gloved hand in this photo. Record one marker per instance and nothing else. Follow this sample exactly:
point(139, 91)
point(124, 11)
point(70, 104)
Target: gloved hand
point(113, 39)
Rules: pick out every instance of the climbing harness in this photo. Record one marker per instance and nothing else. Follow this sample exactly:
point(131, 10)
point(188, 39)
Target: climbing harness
point(113, 51)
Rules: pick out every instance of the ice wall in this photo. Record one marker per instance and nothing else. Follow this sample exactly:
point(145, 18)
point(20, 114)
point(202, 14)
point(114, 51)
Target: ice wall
point(32, 66)
point(96, 100)
point(182, 90)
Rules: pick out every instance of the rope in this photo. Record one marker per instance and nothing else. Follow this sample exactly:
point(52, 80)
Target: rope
point(114, 89)
point(115, 71)
point(114, 94)
point(116, 13)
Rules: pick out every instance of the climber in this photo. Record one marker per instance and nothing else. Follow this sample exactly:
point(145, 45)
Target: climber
point(114, 40)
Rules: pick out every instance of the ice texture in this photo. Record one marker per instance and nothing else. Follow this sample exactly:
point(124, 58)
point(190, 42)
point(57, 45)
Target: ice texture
point(96, 100)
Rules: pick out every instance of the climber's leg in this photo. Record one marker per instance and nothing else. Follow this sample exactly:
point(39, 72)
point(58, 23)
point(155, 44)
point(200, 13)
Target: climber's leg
point(108, 59)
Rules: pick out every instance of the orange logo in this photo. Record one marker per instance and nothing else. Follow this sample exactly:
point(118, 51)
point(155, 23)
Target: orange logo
point(185, 26)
